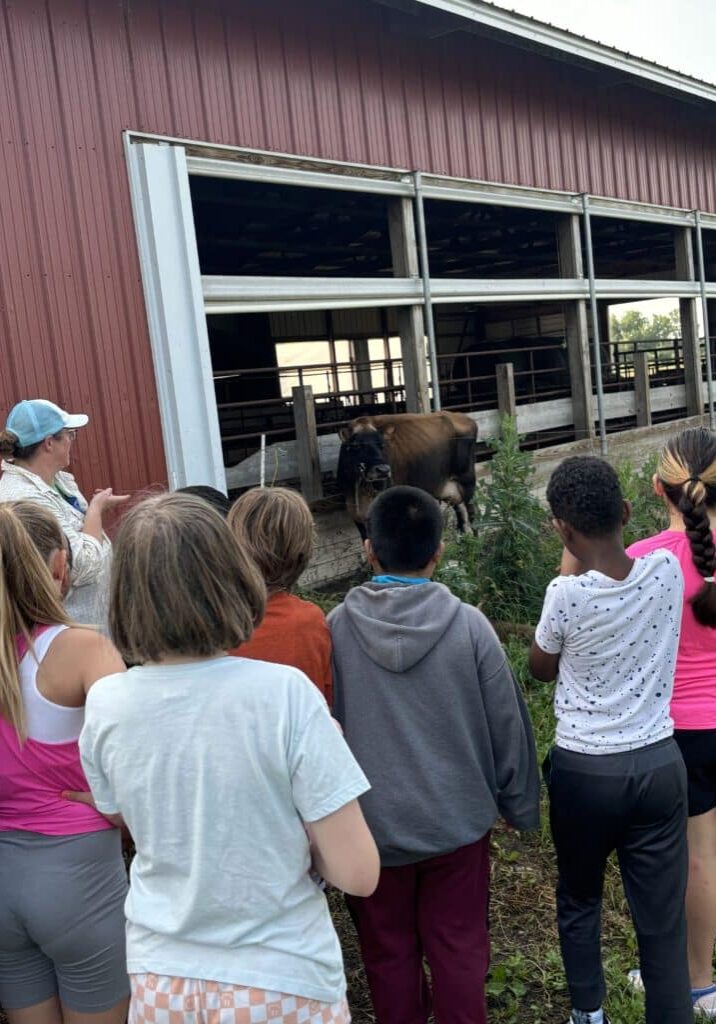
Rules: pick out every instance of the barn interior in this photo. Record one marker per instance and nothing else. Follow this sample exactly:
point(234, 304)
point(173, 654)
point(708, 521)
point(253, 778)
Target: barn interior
point(351, 357)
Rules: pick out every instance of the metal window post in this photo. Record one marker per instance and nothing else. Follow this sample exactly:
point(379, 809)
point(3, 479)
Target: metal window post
point(705, 314)
point(595, 325)
point(169, 260)
point(427, 298)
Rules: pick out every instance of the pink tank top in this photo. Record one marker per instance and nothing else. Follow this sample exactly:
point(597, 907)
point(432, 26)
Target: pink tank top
point(34, 774)
point(693, 703)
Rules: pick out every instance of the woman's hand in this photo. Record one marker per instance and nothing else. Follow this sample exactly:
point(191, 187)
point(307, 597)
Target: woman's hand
point(105, 499)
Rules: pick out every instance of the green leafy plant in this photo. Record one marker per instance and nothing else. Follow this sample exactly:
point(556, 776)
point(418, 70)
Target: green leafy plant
point(648, 511)
point(517, 549)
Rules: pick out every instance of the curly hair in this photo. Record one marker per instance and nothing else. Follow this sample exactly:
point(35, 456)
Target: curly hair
point(584, 491)
point(687, 471)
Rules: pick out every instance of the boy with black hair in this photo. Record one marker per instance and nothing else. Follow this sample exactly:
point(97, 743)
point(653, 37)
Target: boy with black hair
point(609, 632)
point(432, 713)
point(217, 499)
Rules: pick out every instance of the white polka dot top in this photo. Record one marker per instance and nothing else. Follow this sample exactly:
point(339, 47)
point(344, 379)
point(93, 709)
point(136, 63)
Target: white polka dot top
point(617, 641)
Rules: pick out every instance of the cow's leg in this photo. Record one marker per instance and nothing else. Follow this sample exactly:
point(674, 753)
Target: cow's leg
point(463, 517)
point(452, 493)
point(468, 487)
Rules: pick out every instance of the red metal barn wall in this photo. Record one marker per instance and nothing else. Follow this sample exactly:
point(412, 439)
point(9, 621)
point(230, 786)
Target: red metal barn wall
point(329, 78)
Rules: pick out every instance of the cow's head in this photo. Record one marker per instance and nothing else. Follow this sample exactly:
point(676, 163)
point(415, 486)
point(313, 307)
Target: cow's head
point(363, 455)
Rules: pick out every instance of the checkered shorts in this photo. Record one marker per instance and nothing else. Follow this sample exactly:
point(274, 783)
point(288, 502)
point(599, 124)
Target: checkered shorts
point(159, 999)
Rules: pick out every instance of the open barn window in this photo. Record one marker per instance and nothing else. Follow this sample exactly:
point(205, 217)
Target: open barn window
point(351, 360)
point(646, 334)
point(474, 340)
point(472, 240)
point(633, 249)
point(252, 228)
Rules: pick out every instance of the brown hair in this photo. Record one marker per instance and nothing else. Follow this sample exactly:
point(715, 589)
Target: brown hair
point(180, 582)
point(45, 531)
point(275, 526)
point(11, 449)
point(687, 469)
point(27, 598)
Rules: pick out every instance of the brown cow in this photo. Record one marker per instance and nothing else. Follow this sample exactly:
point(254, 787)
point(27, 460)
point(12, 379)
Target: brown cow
point(434, 451)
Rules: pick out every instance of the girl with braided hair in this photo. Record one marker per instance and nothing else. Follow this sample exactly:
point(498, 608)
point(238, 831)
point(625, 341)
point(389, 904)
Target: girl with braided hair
point(686, 480)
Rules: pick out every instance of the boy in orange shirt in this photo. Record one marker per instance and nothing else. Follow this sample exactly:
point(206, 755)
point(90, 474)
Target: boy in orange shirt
point(274, 525)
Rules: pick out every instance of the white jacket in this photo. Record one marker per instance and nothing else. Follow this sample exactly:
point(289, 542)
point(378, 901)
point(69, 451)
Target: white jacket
point(87, 601)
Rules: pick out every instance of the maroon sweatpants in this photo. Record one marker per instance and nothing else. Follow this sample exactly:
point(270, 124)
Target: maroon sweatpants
point(435, 909)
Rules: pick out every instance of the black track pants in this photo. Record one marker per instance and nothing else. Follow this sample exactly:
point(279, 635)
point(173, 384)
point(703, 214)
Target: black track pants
point(635, 804)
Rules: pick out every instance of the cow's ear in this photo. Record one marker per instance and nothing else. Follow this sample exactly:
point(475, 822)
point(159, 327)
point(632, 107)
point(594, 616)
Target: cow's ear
point(345, 433)
point(388, 431)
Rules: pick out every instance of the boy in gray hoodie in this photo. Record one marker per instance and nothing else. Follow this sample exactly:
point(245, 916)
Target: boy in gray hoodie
point(432, 713)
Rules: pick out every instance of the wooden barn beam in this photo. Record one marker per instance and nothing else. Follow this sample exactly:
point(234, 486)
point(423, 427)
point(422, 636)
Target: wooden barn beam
point(569, 248)
point(309, 460)
point(411, 328)
point(691, 343)
point(360, 354)
point(605, 335)
point(642, 390)
point(506, 400)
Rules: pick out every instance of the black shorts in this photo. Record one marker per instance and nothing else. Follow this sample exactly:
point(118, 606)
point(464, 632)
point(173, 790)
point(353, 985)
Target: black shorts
point(698, 749)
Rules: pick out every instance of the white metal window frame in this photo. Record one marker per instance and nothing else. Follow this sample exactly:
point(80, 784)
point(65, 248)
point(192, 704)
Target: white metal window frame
point(178, 298)
point(166, 239)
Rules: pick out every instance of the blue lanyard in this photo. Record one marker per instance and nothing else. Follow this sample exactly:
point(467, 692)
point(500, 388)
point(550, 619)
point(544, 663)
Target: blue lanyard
point(387, 578)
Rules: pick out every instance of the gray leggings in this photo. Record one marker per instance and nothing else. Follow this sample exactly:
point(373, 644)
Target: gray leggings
point(62, 928)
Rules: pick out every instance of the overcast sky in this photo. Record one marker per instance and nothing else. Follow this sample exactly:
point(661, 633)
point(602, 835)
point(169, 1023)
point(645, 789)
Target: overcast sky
point(678, 33)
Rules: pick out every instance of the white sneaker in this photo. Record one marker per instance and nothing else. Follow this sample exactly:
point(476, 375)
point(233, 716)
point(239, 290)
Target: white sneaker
point(635, 980)
point(705, 1004)
point(584, 1017)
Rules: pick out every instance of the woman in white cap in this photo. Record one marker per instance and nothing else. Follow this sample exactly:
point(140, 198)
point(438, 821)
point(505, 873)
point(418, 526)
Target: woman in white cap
point(36, 445)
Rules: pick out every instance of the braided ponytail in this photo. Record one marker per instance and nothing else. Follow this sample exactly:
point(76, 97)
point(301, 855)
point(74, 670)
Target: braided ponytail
point(687, 469)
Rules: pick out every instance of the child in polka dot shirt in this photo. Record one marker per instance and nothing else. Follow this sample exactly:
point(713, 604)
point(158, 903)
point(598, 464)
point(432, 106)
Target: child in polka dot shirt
point(608, 633)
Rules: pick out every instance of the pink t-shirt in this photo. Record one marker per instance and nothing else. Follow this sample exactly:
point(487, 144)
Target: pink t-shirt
point(693, 704)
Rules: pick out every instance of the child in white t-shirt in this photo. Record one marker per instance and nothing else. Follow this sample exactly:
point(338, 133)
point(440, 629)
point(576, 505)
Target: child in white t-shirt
point(216, 763)
point(609, 632)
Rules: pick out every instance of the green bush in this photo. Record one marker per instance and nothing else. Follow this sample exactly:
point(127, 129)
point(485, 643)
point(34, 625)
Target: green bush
point(508, 563)
point(505, 567)
point(648, 511)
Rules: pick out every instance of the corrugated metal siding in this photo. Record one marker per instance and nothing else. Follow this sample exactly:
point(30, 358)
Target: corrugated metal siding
point(330, 78)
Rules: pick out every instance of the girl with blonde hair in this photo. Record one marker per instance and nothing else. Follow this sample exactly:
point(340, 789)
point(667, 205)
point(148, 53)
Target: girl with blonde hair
point(63, 883)
point(686, 480)
point(216, 763)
